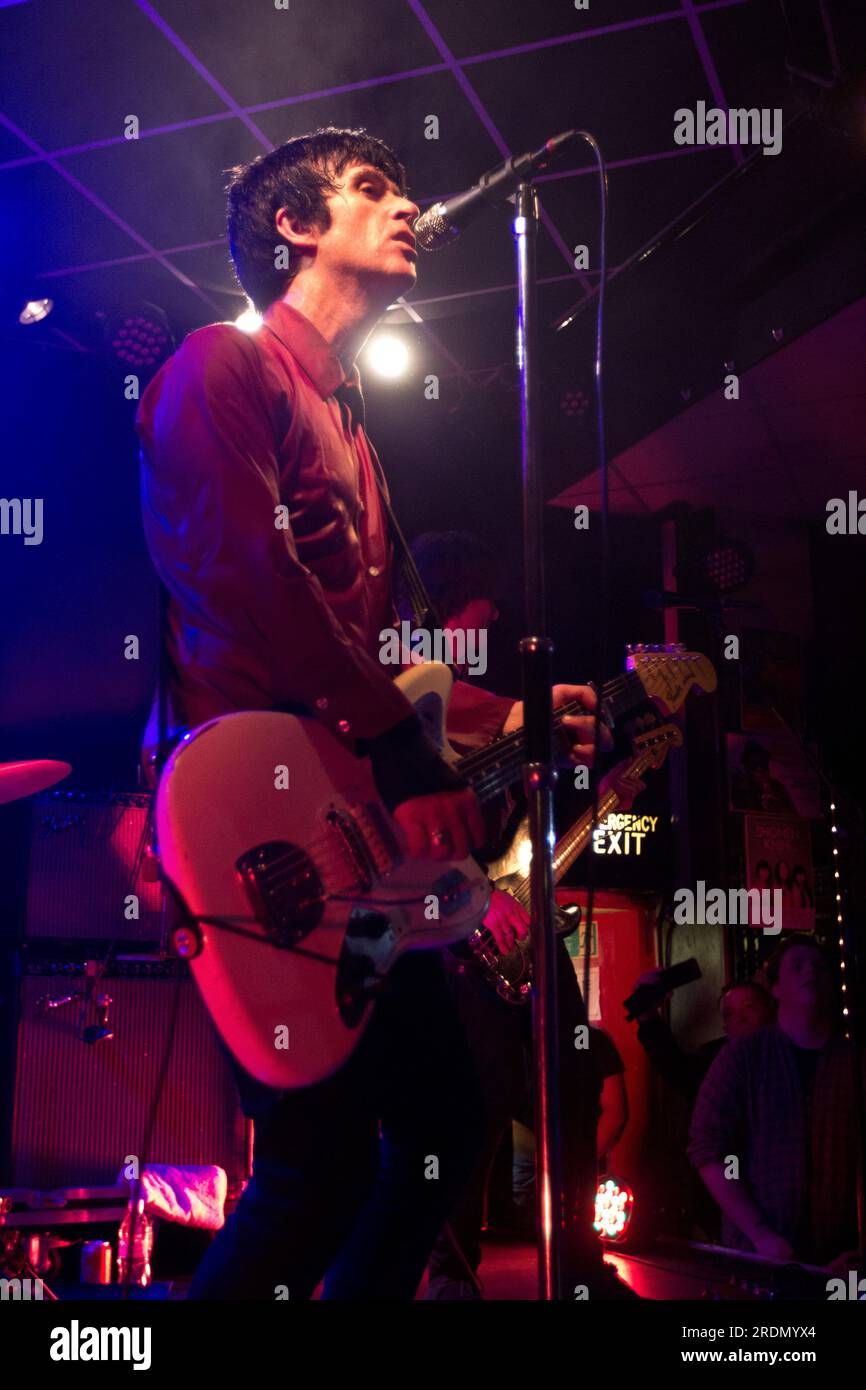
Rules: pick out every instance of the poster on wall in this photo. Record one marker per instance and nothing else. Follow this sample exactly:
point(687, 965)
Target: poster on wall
point(770, 773)
point(779, 858)
point(576, 947)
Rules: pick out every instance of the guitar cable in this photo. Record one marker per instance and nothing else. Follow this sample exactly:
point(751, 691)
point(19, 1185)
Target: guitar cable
point(159, 759)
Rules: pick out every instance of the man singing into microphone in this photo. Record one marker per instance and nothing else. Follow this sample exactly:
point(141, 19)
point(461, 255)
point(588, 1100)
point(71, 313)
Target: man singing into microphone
point(236, 430)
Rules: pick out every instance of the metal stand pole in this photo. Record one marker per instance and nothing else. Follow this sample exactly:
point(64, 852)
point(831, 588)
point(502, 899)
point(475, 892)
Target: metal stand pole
point(539, 773)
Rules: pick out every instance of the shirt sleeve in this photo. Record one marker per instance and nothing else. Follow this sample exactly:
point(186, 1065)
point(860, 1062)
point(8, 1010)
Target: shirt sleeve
point(475, 716)
point(718, 1127)
point(682, 1070)
point(211, 494)
point(607, 1055)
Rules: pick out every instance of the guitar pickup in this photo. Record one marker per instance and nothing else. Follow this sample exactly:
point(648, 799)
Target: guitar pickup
point(352, 841)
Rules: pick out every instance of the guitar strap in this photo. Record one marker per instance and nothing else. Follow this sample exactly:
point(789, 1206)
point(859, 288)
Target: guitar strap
point(424, 614)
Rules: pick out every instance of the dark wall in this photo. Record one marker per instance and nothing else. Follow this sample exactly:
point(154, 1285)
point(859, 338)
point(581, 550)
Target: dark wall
point(66, 690)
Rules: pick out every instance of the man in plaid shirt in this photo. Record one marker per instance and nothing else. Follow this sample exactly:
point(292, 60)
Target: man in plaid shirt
point(782, 1103)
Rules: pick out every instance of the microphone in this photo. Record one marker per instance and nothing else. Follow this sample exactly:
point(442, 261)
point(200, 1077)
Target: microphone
point(443, 222)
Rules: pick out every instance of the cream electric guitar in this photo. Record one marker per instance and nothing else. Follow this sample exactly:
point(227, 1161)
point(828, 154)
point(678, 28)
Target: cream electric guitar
point(297, 896)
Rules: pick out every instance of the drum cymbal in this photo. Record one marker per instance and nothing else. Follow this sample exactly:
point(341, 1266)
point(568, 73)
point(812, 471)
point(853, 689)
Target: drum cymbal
point(23, 779)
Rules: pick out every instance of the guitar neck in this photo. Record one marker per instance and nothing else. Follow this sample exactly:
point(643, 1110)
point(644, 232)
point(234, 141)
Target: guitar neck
point(574, 841)
point(494, 768)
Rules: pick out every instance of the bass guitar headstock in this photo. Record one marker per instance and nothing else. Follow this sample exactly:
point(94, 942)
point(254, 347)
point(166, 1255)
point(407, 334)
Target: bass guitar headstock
point(668, 673)
point(652, 746)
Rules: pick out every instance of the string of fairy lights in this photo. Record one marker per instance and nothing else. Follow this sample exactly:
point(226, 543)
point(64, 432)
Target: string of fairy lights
point(837, 881)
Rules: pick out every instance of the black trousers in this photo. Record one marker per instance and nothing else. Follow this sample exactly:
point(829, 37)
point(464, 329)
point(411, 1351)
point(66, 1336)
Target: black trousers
point(353, 1177)
point(500, 1038)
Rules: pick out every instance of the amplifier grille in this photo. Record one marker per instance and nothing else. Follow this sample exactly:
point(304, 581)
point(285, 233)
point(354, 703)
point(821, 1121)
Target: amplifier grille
point(86, 858)
point(80, 1109)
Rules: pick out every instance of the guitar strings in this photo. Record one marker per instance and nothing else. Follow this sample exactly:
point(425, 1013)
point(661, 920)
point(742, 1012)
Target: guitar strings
point(290, 861)
point(486, 783)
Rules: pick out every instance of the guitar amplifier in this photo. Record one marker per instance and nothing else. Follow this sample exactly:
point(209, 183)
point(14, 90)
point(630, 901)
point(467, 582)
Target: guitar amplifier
point(79, 1107)
point(88, 867)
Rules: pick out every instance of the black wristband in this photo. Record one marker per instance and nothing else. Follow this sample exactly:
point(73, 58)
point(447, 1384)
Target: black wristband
point(405, 764)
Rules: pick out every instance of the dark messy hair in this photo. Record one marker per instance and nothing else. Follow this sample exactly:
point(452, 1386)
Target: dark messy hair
point(754, 988)
point(456, 566)
point(298, 176)
point(792, 943)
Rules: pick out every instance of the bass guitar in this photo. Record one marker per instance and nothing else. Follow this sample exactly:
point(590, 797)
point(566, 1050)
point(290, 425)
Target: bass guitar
point(510, 972)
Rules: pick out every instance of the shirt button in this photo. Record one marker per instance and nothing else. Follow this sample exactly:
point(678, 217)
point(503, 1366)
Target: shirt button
point(321, 703)
point(374, 571)
point(344, 726)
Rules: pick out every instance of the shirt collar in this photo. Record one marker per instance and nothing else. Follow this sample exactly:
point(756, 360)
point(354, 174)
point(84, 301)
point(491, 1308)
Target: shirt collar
point(306, 344)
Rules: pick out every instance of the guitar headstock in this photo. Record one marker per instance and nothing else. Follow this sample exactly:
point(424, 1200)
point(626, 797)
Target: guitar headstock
point(668, 673)
point(654, 743)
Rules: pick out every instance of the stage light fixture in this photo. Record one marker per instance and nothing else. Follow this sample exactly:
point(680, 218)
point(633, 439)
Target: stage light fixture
point(387, 355)
point(728, 565)
point(614, 1204)
point(139, 335)
point(249, 321)
point(35, 310)
point(574, 402)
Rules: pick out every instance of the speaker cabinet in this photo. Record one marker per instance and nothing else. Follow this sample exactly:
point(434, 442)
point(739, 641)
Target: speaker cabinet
point(81, 1107)
point(87, 860)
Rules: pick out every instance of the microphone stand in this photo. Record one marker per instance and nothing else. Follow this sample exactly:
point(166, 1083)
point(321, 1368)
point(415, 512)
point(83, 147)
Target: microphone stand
point(539, 772)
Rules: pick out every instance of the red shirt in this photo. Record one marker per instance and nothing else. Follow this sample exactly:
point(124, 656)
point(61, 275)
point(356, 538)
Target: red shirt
point(264, 521)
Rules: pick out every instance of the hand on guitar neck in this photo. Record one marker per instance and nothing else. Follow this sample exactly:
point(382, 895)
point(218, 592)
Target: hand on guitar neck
point(438, 814)
point(626, 785)
point(578, 730)
point(445, 822)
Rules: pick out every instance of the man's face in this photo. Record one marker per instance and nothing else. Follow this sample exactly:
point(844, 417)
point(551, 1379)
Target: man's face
point(804, 980)
point(370, 236)
point(743, 1012)
point(477, 616)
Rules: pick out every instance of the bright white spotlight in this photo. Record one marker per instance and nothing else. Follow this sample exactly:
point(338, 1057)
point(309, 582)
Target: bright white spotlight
point(248, 321)
point(35, 309)
point(524, 856)
point(387, 355)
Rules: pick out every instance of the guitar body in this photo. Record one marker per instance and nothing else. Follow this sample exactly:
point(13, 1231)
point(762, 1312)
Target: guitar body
point(300, 900)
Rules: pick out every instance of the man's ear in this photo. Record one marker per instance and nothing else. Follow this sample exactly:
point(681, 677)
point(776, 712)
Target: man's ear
point(295, 232)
